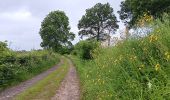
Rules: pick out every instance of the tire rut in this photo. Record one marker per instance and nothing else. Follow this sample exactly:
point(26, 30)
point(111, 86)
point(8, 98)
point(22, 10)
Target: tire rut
point(70, 87)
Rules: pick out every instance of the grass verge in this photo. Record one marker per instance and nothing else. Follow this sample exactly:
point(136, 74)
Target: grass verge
point(47, 87)
point(135, 69)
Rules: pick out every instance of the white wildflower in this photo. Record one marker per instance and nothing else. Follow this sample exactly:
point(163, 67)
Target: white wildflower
point(149, 85)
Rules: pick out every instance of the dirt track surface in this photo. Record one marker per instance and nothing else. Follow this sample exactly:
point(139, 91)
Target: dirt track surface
point(69, 88)
point(8, 94)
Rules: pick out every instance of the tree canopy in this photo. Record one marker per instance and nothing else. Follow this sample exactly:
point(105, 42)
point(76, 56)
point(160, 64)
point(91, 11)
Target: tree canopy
point(55, 31)
point(98, 22)
point(132, 10)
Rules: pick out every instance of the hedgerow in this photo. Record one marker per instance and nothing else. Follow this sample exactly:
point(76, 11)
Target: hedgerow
point(16, 67)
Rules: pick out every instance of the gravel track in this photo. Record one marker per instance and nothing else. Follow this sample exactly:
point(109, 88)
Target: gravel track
point(9, 93)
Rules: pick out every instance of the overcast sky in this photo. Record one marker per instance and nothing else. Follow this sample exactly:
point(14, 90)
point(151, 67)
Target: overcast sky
point(20, 20)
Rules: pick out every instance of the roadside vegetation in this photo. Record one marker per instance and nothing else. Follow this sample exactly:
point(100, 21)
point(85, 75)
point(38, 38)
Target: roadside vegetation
point(16, 67)
point(136, 68)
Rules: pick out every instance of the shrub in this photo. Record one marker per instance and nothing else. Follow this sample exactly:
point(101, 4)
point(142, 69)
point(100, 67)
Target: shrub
point(84, 49)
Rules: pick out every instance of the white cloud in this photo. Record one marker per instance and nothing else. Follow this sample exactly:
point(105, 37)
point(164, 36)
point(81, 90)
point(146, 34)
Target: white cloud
point(21, 14)
point(20, 27)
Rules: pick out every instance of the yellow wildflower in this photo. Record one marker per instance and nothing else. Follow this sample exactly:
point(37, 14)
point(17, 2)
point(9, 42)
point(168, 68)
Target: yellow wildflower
point(168, 56)
point(157, 67)
point(166, 53)
point(158, 31)
point(142, 65)
point(153, 38)
point(146, 18)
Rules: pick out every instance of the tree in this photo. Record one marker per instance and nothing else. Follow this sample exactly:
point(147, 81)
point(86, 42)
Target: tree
point(132, 10)
point(98, 22)
point(55, 31)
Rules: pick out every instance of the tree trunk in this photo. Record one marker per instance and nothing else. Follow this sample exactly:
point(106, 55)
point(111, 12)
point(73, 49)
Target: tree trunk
point(109, 37)
point(127, 32)
point(109, 41)
point(98, 34)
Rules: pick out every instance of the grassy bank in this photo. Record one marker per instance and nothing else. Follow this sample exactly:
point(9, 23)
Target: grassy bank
point(16, 67)
point(137, 68)
point(46, 88)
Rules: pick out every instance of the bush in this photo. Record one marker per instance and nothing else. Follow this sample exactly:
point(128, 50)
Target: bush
point(66, 50)
point(84, 49)
point(5, 53)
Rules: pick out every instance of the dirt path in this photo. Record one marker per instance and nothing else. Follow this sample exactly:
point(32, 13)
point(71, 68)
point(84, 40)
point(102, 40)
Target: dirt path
point(8, 94)
point(69, 88)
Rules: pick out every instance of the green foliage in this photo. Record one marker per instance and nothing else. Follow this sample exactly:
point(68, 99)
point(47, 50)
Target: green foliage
point(136, 69)
point(16, 67)
point(66, 49)
point(132, 10)
point(98, 22)
point(4, 52)
point(3, 46)
point(55, 31)
point(84, 49)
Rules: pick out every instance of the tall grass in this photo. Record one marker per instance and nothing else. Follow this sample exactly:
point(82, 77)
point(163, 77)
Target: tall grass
point(134, 69)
